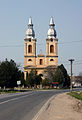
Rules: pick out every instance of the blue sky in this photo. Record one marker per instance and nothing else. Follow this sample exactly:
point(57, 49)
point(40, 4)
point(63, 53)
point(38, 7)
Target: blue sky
point(67, 15)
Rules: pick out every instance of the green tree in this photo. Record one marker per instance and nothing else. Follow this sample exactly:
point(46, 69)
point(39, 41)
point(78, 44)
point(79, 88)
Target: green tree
point(45, 82)
point(10, 74)
point(66, 76)
point(38, 79)
point(58, 76)
point(33, 79)
point(50, 70)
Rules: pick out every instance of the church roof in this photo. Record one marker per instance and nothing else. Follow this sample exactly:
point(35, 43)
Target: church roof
point(30, 31)
point(30, 21)
point(51, 31)
point(51, 21)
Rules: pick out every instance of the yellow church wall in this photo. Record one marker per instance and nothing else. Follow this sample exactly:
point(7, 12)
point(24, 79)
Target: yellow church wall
point(38, 61)
point(54, 62)
point(32, 62)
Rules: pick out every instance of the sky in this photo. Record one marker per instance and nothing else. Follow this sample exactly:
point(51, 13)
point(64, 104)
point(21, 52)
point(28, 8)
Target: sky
point(67, 15)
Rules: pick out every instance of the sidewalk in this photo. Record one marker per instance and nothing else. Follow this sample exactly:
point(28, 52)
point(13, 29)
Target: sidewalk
point(62, 107)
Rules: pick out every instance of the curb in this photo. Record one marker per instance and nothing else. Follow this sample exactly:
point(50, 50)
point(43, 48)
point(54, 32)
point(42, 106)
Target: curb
point(43, 108)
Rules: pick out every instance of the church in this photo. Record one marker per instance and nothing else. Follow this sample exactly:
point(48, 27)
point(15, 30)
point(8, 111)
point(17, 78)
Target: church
point(40, 62)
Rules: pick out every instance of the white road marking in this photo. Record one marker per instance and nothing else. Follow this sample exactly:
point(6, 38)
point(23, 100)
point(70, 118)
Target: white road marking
point(15, 98)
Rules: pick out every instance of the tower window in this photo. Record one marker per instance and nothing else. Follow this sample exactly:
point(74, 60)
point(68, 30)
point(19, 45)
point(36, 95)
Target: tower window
point(30, 49)
point(51, 49)
point(51, 59)
point(51, 40)
point(29, 59)
point(29, 39)
point(41, 61)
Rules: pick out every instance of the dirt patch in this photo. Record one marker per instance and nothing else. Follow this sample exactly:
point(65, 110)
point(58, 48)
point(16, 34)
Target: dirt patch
point(63, 107)
point(78, 106)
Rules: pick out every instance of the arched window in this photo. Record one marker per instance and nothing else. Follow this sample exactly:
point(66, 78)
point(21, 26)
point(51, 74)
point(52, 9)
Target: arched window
point(51, 49)
point(30, 49)
point(51, 40)
point(51, 59)
point(41, 61)
point(29, 59)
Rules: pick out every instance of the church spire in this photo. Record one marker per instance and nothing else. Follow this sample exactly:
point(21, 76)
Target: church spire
point(30, 21)
point(51, 21)
point(30, 32)
point(51, 31)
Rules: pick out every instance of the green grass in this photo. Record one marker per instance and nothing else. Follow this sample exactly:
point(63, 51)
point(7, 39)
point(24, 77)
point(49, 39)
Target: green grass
point(77, 95)
point(7, 91)
point(14, 91)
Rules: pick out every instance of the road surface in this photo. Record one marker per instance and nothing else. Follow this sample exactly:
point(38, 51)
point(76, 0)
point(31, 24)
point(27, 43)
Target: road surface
point(24, 106)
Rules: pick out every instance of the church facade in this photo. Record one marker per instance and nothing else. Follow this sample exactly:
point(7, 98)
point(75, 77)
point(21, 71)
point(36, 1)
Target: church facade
point(40, 62)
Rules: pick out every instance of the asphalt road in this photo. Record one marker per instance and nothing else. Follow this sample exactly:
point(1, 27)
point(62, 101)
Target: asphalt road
point(24, 106)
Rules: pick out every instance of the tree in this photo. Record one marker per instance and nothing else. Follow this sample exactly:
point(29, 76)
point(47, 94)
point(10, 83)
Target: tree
point(38, 80)
point(66, 76)
point(58, 76)
point(45, 82)
point(33, 79)
point(10, 74)
point(50, 70)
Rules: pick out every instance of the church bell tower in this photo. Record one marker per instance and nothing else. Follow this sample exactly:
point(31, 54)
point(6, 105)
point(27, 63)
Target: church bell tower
point(40, 62)
point(30, 45)
point(51, 41)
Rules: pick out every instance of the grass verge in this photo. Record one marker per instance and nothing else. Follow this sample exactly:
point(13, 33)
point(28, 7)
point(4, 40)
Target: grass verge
point(77, 95)
point(7, 91)
point(13, 91)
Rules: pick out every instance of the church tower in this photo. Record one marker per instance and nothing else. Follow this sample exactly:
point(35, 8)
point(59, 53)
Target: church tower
point(30, 46)
point(51, 41)
point(40, 62)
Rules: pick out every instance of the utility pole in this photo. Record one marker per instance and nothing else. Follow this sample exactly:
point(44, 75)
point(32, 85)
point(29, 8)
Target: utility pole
point(71, 61)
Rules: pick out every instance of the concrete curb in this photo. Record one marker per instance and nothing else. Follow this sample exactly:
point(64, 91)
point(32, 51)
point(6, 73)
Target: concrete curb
point(43, 108)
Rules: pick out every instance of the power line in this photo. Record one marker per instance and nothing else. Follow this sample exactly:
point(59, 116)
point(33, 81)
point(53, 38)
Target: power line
point(78, 64)
point(65, 61)
point(70, 42)
point(21, 45)
point(12, 46)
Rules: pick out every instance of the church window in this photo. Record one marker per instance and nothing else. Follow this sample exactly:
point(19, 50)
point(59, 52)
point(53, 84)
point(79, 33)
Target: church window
point(29, 40)
point(41, 61)
point(29, 59)
point(30, 49)
point(51, 49)
point(51, 59)
point(26, 48)
point(51, 40)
